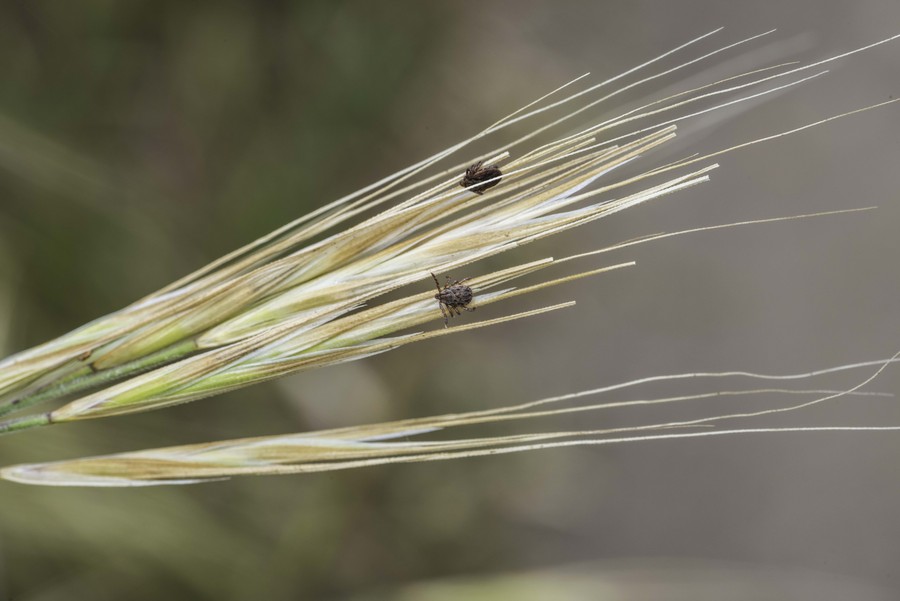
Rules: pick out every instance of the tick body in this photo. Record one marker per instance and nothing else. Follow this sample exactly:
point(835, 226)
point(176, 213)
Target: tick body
point(452, 297)
point(478, 173)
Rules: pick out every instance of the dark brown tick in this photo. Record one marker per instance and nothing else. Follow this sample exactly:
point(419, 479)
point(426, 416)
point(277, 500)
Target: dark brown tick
point(454, 296)
point(478, 173)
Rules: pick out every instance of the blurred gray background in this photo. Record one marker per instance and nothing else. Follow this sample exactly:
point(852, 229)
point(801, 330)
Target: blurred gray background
point(141, 140)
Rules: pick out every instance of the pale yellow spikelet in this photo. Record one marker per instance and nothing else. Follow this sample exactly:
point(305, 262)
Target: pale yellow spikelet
point(377, 444)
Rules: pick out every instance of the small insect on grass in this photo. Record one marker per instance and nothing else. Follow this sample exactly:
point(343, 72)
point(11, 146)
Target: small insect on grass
point(454, 296)
point(477, 173)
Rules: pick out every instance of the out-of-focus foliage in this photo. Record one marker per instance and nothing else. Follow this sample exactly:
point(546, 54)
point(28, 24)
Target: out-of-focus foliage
point(141, 139)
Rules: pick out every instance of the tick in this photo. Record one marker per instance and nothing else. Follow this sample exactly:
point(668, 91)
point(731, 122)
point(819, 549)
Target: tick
point(454, 296)
point(478, 173)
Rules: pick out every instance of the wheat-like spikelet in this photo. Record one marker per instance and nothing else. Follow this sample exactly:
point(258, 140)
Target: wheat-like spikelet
point(377, 444)
point(311, 293)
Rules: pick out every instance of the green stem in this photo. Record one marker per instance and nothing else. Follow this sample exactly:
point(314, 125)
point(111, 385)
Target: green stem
point(24, 423)
point(85, 378)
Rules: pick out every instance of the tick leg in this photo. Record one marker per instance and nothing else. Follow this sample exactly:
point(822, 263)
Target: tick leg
point(444, 313)
point(436, 283)
point(470, 308)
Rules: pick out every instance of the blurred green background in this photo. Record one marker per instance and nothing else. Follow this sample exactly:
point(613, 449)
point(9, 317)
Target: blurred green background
point(141, 140)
